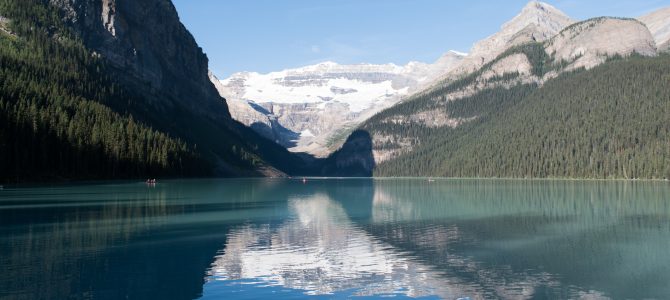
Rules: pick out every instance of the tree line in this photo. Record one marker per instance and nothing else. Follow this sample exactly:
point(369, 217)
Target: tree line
point(612, 121)
point(56, 116)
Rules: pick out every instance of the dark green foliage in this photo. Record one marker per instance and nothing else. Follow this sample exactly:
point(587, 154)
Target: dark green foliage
point(54, 116)
point(538, 58)
point(541, 62)
point(609, 122)
point(435, 97)
point(353, 159)
point(65, 114)
point(478, 106)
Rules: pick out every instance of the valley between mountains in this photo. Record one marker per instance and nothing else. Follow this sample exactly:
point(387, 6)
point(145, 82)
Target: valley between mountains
point(430, 119)
point(110, 89)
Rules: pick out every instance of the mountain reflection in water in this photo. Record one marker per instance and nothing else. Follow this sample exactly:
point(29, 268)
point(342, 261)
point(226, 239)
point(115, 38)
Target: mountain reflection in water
point(269, 239)
point(461, 240)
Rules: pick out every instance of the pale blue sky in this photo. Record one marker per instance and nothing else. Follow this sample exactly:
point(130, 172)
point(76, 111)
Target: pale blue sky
point(271, 35)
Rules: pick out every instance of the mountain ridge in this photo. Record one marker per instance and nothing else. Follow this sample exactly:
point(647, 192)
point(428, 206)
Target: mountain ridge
point(115, 95)
point(124, 93)
point(529, 49)
point(537, 21)
point(472, 97)
point(302, 108)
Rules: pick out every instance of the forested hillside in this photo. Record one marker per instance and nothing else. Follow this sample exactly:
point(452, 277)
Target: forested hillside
point(65, 114)
point(612, 121)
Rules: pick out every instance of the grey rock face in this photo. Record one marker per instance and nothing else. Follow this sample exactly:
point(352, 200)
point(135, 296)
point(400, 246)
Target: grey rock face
point(665, 47)
point(589, 43)
point(658, 23)
point(537, 22)
point(146, 40)
point(342, 91)
point(3, 25)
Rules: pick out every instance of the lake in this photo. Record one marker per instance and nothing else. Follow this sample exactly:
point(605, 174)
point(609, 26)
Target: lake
point(330, 238)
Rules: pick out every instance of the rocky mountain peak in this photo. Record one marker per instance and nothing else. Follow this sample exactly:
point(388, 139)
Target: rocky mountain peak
point(537, 21)
point(446, 62)
point(538, 13)
point(450, 55)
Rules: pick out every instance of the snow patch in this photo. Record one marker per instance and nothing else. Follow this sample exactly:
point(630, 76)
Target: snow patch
point(315, 89)
point(306, 133)
point(458, 53)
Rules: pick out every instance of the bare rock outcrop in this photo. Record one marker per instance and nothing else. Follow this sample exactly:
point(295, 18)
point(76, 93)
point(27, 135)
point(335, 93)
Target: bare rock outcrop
point(4, 22)
point(515, 63)
point(658, 23)
point(146, 41)
point(537, 22)
point(589, 43)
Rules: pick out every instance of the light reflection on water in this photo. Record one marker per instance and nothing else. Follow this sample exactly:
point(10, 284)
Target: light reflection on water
point(229, 239)
point(319, 250)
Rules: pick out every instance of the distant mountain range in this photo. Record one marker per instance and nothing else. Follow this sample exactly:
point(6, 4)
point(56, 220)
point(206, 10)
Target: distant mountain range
point(561, 99)
point(306, 109)
point(107, 89)
point(313, 109)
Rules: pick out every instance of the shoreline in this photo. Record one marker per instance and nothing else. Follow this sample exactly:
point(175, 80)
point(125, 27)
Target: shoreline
point(6, 186)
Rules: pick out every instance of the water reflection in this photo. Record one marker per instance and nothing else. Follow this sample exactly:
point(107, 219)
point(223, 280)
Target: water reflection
point(120, 241)
point(230, 239)
point(476, 239)
point(595, 238)
point(319, 250)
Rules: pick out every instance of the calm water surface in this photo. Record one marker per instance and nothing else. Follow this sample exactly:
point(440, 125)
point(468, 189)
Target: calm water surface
point(272, 239)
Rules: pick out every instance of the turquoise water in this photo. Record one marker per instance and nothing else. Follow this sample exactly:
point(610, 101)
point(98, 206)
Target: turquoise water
point(273, 239)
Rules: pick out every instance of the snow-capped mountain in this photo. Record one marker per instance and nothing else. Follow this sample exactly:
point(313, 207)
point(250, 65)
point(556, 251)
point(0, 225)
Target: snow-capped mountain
point(304, 108)
point(312, 109)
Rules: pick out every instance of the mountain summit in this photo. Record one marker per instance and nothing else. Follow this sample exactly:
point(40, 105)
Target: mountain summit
point(534, 57)
point(538, 21)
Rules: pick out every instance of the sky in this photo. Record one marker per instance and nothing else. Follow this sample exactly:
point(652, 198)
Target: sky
point(272, 35)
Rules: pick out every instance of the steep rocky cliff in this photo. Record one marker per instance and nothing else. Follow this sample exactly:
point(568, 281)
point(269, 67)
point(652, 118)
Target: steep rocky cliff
point(138, 66)
point(146, 40)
